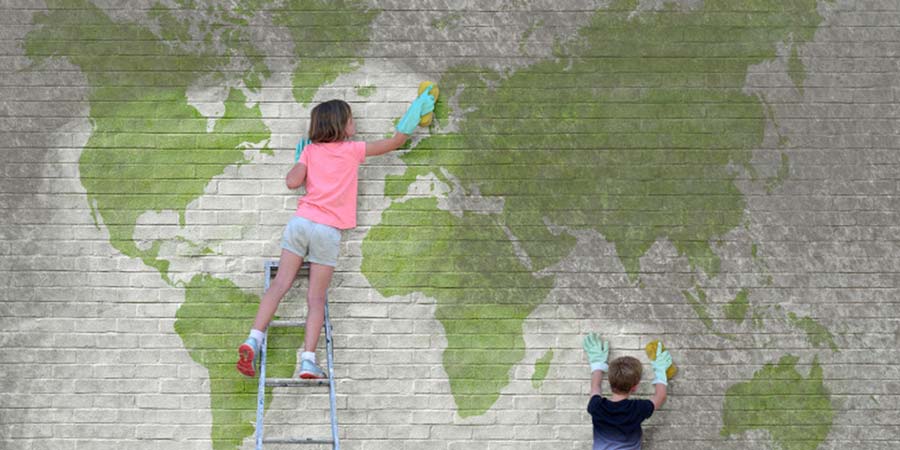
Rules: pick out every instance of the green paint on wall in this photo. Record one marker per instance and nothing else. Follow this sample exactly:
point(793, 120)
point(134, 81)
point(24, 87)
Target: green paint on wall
point(758, 315)
point(171, 27)
point(783, 171)
point(447, 21)
point(541, 367)
point(634, 132)
point(537, 24)
point(422, 249)
point(193, 249)
point(442, 107)
point(816, 333)
point(736, 309)
point(365, 91)
point(211, 322)
point(795, 68)
point(225, 24)
point(149, 150)
point(659, 144)
point(329, 37)
point(796, 411)
point(699, 304)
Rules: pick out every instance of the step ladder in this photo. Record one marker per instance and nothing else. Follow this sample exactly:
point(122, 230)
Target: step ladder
point(271, 267)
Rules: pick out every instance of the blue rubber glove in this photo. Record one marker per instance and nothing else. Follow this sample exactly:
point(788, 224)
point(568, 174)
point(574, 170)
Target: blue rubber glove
point(597, 352)
point(423, 104)
point(660, 365)
point(428, 101)
point(300, 146)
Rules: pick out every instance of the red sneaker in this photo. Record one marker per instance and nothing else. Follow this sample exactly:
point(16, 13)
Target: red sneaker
point(247, 353)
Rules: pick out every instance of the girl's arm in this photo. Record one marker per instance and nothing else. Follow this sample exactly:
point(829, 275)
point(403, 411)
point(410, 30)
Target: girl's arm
point(297, 176)
point(385, 145)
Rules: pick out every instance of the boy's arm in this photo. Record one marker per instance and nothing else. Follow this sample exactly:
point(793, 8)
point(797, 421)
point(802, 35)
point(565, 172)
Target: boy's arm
point(659, 397)
point(660, 381)
point(597, 353)
point(385, 145)
point(297, 176)
point(596, 379)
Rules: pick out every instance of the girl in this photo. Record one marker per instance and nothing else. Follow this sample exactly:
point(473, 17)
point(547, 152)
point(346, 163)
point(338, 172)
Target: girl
point(328, 166)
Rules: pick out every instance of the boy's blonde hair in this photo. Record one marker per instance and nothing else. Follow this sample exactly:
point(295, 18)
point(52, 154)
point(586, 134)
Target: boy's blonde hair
point(328, 121)
point(624, 374)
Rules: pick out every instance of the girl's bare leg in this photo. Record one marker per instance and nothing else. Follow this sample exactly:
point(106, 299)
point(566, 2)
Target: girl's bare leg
point(288, 266)
point(319, 279)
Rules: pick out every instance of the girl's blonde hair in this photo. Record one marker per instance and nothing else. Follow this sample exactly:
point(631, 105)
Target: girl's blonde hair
point(328, 121)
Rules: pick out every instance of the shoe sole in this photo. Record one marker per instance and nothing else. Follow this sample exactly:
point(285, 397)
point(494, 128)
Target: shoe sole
point(245, 360)
point(311, 376)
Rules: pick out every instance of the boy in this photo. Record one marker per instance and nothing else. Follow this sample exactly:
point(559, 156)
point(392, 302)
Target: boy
point(617, 420)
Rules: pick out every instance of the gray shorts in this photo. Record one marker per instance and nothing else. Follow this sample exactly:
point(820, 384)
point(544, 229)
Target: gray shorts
point(312, 241)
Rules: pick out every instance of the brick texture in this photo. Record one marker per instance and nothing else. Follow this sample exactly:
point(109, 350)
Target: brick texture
point(92, 359)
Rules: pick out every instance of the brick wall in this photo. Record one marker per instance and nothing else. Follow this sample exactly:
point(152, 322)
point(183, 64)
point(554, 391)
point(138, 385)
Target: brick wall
point(92, 358)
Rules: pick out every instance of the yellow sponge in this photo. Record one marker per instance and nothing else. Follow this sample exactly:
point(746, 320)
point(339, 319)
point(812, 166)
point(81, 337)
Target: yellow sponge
point(651, 353)
point(427, 118)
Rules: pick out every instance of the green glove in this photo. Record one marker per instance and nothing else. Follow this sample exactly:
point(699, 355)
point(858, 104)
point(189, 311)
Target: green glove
point(423, 104)
point(597, 351)
point(660, 365)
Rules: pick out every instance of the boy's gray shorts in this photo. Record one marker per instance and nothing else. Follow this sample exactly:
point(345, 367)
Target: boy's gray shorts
point(312, 241)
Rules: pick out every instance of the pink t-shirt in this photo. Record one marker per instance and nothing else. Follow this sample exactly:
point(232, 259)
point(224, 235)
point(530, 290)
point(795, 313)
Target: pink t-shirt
point(332, 174)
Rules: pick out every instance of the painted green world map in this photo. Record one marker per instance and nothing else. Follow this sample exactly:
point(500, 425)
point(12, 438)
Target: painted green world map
point(635, 129)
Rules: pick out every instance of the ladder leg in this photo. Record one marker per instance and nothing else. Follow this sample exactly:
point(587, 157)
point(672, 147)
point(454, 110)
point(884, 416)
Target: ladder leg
point(329, 348)
point(261, 392)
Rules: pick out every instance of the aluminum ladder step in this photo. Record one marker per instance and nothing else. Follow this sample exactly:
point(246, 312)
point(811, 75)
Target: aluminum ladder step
point(287, 324)
point(296, 382)
point(298, 441)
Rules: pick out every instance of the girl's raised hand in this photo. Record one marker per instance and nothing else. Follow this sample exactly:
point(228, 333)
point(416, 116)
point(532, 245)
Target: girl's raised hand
point(423, 104)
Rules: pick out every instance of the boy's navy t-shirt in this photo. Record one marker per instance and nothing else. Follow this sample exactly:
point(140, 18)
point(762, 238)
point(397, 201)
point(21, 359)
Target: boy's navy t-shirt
point(617, 425)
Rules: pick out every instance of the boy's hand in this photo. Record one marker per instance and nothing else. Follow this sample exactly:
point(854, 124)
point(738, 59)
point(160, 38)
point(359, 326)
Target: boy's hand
point(597, 351)
point(423, 104)
point(660, 364)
